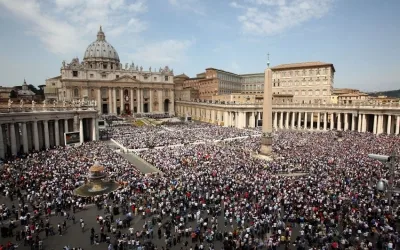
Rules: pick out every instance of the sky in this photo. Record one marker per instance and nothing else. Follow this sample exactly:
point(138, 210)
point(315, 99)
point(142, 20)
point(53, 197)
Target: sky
point(359, 37)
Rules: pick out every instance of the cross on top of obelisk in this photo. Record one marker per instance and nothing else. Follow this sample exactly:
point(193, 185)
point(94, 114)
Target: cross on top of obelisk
point(268, 60)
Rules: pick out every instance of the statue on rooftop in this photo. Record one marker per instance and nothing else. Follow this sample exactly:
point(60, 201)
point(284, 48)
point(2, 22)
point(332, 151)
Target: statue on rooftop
point(21, 103)
point(9, 103)
point(33, 104)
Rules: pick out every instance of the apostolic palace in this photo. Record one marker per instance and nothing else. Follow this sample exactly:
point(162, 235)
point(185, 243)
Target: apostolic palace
point(303, 97)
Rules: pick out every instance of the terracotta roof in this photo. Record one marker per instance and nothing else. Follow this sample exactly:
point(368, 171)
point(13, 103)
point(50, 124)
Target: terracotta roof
point(181, 76)
point(353, 94)
point(223, 71)
point(302, 65)
point(54, 78)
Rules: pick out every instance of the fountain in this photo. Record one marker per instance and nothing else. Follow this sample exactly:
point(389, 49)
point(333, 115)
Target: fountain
point(96, 185)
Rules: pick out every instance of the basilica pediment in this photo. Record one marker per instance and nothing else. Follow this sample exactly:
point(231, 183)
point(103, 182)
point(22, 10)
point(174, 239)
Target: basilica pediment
point(129, 79)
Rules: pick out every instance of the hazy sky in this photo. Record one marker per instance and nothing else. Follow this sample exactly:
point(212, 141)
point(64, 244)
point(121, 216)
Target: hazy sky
point(360, 37)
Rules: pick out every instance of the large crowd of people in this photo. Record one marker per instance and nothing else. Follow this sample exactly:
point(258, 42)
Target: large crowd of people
point(211, 195)
point(159, 136)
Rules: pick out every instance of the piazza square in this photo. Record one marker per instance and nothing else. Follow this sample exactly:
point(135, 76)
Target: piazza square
point(120, 156)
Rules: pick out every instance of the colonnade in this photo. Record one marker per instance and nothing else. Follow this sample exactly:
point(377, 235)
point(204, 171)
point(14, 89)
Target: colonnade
point(361, 122)
point(34, 132)
point(135, 100)
point(377, 122)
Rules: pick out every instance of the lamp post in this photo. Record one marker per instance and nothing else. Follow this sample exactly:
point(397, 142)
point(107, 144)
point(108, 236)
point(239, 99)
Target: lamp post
point(390, 161)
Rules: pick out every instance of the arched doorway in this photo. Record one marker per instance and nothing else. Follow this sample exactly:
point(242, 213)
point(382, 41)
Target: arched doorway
point(146, 108)
point(166, 106)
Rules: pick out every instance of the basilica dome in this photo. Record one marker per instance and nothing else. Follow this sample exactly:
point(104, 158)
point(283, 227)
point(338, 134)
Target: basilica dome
point(101, 51)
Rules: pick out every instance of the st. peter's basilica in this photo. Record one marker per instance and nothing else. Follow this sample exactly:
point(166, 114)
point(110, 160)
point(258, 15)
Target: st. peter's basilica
point(116, 89)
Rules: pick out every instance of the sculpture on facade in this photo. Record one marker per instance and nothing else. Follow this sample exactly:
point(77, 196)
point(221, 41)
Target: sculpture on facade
point(64, 103)
point(55, 103)
point(150, 69)
point(9, 103)
point(94, 103)
point(33, 104)
point(137, 68)
point(44, 103)
point(160, 70)
point(63, 64)
point(126, 65)
point(21, 103)
point(141, 68)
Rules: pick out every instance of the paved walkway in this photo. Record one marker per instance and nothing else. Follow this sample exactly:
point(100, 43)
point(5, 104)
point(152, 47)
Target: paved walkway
point(139, 163)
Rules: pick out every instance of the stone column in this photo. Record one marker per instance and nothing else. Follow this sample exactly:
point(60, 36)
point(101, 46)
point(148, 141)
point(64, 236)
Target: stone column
point(325, 121)
point(13, 139)
point(312, 121)
point(121, 101)
point(57, 133)
point(318, 121)
point(36, 136)
point(2, 148)
point(281, 120)
point(114, 101)
point(46, 134)
point(380, 124)
point(293, 119)
point(172, 103)
point(99, 101)
point(339, 122)
point(287, 116)
point(131, 99)
point(81, 137)
point(76, 123)
point(65, 125)
point(17, 136)
point(305, 120)
point(359, 121)
point(299, 121)
point(389, 125)
point(226, 119)
point(151, 101)
point(375, 129)
point(94, 132)
point(25, 138)
point(252, 122)
point(110, 100)
point(397, 124)
point(346, 121)
point(364, 123)
point(276, 120)
point(160, 101)
point(332, 125)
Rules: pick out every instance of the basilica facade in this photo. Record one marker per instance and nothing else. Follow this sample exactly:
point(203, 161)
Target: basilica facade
point(116, 89)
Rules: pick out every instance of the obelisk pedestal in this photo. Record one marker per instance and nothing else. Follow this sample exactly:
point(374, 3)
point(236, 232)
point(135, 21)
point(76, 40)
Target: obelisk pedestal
point(266, 139)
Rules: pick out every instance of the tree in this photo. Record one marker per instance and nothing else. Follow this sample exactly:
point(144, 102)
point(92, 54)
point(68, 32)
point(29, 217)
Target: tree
point(13, 94)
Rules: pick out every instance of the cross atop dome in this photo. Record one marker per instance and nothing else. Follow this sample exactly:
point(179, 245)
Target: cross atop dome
point(100, 35)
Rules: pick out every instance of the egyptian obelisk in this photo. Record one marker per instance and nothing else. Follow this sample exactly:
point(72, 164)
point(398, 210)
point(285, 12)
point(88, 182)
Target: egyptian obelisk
point(266, 139)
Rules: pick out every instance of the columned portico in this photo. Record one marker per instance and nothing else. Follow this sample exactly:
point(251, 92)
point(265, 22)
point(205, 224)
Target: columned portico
point(354, 118)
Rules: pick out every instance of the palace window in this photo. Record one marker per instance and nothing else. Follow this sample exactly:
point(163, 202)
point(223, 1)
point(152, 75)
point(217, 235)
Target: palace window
point(117, 76)
point(76, 92)
point(134, 77)
point(104, 76)
point(146, 77)
point(91, 75)
point(105, 66)
point(166, 78)
point(75, 73)
point(155, 78)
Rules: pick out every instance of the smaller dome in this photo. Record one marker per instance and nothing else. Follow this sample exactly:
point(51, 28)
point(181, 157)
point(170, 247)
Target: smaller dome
point(101, 50)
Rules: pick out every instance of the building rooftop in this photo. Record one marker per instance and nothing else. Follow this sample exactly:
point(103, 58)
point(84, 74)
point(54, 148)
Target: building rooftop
point(302, 65)
point(223, 71)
